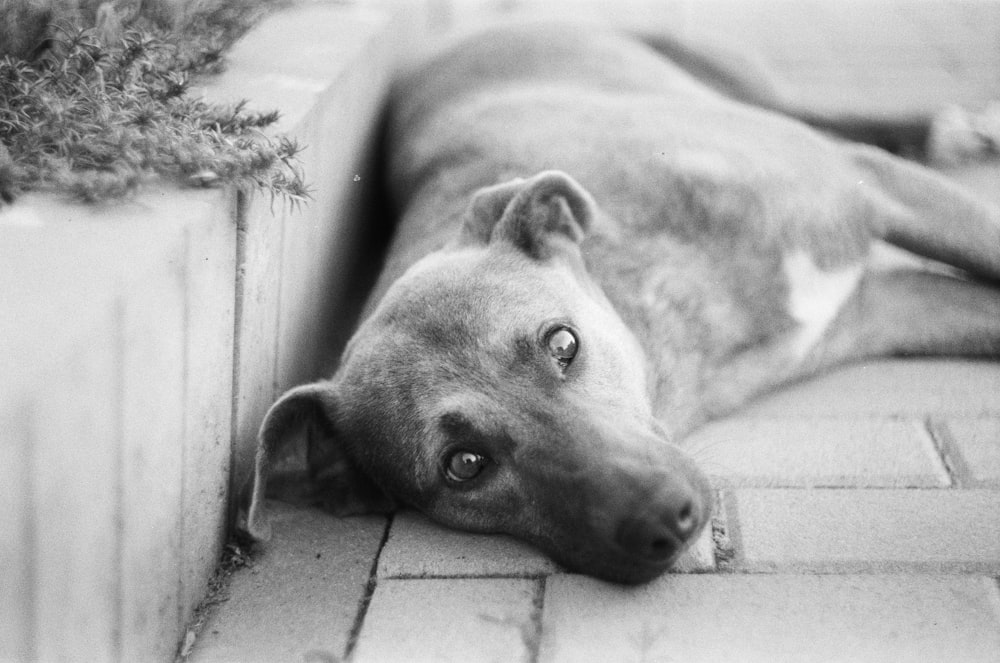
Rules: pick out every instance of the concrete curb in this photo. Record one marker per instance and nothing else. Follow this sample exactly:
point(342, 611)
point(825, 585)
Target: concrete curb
point(142, 341)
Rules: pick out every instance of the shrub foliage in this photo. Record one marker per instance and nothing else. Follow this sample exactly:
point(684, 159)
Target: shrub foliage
point(96, 119)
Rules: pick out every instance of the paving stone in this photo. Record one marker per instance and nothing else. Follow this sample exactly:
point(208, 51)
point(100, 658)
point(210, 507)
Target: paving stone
point(977, 445)
point(891, 387)
point(871, 530)
point(418, 547)
point(440, 620)
point(772, 619)
point(863, 451)
point(300, 598)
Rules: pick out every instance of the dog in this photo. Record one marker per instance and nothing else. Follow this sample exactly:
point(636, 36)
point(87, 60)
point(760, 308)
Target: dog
point(596, 253)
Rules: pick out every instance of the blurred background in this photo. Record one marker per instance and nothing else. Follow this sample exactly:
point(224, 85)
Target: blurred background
point(880, 56)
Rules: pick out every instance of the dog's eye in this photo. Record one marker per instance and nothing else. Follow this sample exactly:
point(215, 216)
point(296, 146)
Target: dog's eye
point(465, 465)
point(562, 345)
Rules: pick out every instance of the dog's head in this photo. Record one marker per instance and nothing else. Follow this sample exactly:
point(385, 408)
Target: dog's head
point(495, 389)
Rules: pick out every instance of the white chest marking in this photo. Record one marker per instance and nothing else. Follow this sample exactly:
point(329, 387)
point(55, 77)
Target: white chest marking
point(816, 296)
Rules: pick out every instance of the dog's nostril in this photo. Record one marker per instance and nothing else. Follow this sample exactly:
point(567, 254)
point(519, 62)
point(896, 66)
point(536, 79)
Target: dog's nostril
point(657, 533)
point(660, 547)
point(686, 520)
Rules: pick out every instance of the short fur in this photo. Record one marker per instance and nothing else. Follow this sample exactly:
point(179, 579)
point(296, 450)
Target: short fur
point(701, 249)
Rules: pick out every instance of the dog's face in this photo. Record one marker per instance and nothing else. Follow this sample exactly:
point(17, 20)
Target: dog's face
point(495, 389)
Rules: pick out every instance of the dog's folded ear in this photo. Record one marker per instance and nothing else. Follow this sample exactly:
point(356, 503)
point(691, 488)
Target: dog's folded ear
point(301, 460)
point(534, 214)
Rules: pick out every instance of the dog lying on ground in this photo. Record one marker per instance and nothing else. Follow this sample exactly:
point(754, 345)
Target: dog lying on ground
point(596, 253)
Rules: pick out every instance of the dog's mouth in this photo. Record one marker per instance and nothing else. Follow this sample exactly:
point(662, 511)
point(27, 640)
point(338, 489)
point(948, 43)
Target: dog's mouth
point(637, 547)
point(621, 566)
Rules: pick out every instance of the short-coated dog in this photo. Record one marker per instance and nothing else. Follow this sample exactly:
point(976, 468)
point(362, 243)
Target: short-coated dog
point(604, 242)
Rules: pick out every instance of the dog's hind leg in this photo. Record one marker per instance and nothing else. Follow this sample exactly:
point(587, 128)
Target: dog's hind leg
point(909, 312)
point(745, 78)
point(905, 312)
point(921, 312)
point(923, 212)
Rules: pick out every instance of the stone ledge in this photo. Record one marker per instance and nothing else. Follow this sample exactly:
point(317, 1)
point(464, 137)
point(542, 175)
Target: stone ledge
point(142, 340)
point(117, 323)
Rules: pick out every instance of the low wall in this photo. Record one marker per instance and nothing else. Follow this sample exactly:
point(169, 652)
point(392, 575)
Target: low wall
point(141, 342)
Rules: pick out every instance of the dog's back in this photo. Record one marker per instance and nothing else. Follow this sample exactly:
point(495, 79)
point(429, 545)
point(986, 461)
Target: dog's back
point(511, 102)
point(702, 200)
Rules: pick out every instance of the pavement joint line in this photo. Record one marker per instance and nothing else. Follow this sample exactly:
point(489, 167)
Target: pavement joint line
point(864, 568)
point(839, 487)
point(723, 552)
point(476, 576)
point(938, 449)
point(951, 456)
point(735, 557)
point(517, 576)
point(532, 632)
point(873, 567)
point(370, 586)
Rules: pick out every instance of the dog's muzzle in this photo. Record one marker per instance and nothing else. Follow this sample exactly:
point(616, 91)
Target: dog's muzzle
point(662, 525)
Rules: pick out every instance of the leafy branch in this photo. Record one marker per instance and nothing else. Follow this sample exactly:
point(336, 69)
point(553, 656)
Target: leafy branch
point(97, 120)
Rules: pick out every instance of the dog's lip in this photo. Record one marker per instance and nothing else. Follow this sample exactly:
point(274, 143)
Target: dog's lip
point(616, 565)
point(633, 570)
point(630, 570)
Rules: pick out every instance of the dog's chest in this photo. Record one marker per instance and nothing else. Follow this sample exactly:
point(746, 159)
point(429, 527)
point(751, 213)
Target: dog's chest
point(719, 322)
point(815, 297)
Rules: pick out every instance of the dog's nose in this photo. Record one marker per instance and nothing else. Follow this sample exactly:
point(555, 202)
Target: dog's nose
point(661, 528)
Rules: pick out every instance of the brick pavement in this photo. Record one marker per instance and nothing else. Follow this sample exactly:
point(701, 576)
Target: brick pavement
point(859, 517)
point(885, 548)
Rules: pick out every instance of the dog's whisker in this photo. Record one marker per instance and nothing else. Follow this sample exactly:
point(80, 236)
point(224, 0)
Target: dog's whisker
point(701, 447)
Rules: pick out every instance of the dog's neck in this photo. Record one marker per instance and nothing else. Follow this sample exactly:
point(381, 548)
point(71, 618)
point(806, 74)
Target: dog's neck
point(693, 318)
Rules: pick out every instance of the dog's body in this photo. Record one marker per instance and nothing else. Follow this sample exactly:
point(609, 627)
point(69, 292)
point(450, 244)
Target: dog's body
point(534, 345)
